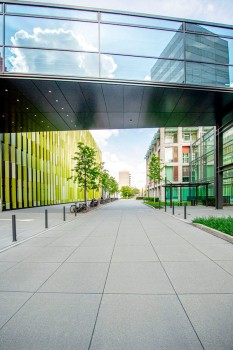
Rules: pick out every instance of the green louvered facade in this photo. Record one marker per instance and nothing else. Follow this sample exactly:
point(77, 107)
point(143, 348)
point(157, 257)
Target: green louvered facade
point(36, 165)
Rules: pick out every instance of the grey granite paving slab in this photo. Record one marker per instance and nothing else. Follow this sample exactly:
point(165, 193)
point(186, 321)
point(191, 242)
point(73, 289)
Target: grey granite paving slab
point(68, 241)
point(134, 253)
point(198, 277)
point(226, 265)
point(138, 277)
point(212, 318)
point(17, 253)
point(77, 278)
point(26, 277)
point(139, 322)
point(6, 265)
point(10, 303)
point(91, 254)
point(52, 322)
point(218, 251)
point(51, 254)
point(39, 241)
point(181, 252)
point(101, 241)
point(130, 240)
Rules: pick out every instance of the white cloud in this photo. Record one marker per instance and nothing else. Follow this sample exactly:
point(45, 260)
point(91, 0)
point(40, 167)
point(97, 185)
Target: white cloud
point(115, 163)
point(52, 62)
point(101, 136)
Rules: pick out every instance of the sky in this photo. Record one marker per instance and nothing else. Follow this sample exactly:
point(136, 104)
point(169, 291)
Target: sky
point(126, 149)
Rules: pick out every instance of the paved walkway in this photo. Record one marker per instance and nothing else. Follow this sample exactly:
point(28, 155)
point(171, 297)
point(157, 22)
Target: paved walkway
point(123, 277)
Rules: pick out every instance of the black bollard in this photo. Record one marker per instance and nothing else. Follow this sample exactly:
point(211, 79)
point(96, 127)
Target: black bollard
point(14, 228)
point(46, 218)
point(173, 208)
point(64, 213)
point(185, 211)
point(165, 206)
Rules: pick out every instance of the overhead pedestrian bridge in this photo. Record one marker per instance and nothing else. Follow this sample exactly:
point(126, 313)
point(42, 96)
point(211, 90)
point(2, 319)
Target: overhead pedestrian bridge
point(68, 68)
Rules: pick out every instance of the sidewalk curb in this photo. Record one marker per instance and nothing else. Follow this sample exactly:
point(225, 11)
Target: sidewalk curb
point(214, 232)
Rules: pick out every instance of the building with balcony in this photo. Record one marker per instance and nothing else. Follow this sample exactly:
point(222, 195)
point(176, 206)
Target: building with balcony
point(174, 147)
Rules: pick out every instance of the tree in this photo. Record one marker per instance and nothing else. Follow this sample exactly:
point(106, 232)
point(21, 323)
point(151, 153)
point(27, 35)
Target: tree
point(155, 170)
point(126, 191)
point(112, 185)
point(86, 170)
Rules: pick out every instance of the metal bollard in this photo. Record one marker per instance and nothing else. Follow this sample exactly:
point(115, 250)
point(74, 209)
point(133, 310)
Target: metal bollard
point(173, 208)
point(14, 228)
point(185, 211)
point(159, 204)
point(64, 213)
point(46, 218)
point(165, 206)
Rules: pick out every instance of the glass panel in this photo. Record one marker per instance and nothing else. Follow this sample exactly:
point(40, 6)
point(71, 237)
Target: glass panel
point(140, 68)
point(197, 28)
point(1, 60)
point(46, 33)
point(209, 74)
point(0, 7)
point(145, 21)
point(141, 41)
point(168, 154)
point(52, 12)
point(1, 30)
point(52, 62)
point(209, 49)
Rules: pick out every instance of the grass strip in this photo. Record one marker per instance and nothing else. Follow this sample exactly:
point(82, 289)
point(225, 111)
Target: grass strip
point(224, 224)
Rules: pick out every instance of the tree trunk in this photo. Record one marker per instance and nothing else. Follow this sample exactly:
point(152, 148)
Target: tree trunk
point(154, 191)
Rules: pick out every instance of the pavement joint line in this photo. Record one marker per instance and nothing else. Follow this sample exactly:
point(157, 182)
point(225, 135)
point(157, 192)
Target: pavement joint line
point(97, 314)
point(35, 235)
point(193, 246)
point(173, 287)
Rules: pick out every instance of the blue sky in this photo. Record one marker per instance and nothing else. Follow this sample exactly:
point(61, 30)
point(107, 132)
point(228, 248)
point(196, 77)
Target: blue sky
point(125, 149)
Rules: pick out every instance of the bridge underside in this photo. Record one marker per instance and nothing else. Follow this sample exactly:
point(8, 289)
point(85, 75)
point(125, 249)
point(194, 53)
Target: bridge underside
point(40, 104)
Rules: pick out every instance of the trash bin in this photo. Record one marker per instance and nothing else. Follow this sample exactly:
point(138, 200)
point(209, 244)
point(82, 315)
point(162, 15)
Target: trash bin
point(193, 202)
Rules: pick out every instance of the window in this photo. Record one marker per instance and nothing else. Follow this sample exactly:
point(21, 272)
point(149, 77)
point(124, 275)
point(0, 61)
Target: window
point(185, 157)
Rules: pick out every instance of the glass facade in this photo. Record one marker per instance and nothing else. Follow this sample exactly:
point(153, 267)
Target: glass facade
point(35, 167)
point(203, 162)
point(57, 41)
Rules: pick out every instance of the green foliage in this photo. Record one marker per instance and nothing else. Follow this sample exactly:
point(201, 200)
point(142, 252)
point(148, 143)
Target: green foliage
point(155, 169)
point(154, 204)
point(109, 183)
point(129, 192)
point(224, 224)
point(86, 170)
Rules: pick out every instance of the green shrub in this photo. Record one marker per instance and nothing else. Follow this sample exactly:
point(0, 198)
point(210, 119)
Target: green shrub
point(224, 224)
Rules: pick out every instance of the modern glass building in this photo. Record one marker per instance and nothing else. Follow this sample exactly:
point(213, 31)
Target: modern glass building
point(35, 166)
point(68, 68)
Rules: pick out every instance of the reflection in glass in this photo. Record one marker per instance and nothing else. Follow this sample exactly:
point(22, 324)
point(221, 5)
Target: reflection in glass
point(0, 7)
point(53, 12)
point(211, 49)
point(47, 33)
point(145, 21)
point(1, 60)
point(140, 41)
point(0, 30)
point(52, 62)
point(210, 29)
point(207, 74)
point(140, 68)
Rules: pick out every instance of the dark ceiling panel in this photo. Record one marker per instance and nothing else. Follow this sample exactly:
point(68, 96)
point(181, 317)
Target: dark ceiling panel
point(151, 99)
point(116, 120)
point(131, 120)
point(28, 104)
point(94, 98)
point(132, 99)
point(113, 95)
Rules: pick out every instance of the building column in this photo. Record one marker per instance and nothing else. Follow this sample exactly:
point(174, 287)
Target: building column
point(218, 178)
